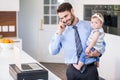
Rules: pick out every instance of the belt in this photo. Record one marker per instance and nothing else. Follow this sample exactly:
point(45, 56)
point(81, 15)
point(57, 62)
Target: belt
point(91, 64)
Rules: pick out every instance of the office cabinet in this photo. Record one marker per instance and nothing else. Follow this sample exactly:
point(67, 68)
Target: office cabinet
point(9, 5)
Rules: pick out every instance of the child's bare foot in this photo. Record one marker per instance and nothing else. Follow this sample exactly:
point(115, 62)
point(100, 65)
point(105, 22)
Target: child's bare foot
point(79, 65)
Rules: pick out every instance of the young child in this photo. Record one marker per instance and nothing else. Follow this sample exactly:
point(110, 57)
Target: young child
point(95, 41)
point(96, 38)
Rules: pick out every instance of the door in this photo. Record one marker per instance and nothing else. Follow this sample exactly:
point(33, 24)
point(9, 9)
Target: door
point(48, 27)
point(36, 28)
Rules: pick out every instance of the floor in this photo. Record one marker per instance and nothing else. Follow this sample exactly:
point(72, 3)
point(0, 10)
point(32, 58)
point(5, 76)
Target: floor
point(59, 69)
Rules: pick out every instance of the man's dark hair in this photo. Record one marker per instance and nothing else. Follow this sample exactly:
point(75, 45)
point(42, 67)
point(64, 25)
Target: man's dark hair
point(64, 7)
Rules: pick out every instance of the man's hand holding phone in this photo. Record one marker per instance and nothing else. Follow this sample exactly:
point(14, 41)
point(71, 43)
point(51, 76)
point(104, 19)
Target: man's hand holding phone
point(61, 28)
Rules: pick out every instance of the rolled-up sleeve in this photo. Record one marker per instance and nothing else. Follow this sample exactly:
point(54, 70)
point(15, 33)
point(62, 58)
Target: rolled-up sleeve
point(55, 44)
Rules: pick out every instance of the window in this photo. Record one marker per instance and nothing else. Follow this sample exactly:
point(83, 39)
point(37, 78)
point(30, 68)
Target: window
point(50, 13)
point(111, 15)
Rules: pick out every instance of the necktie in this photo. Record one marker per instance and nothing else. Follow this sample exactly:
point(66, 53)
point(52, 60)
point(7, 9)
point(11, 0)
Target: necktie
point(78, 43)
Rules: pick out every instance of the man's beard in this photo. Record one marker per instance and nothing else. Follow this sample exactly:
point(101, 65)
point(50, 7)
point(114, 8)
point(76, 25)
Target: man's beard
point(72, 19)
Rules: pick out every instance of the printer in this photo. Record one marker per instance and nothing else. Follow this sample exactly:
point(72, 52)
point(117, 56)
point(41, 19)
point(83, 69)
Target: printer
point(28, 71)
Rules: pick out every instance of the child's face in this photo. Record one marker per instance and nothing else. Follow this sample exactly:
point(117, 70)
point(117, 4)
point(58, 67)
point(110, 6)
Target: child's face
point(96, 23)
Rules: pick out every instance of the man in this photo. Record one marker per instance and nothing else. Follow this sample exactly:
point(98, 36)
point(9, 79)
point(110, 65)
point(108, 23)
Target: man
point(65, 38)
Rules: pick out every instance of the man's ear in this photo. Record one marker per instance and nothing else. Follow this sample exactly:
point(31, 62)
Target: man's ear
point(72, 11)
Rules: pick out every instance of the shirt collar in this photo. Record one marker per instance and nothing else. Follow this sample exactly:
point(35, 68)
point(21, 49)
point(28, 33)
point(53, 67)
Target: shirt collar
point(78, 23)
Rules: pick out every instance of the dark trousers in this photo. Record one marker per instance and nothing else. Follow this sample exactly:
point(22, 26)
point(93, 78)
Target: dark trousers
point(91, 73)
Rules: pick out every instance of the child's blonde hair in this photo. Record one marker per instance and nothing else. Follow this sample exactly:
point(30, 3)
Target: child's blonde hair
point(99, 16)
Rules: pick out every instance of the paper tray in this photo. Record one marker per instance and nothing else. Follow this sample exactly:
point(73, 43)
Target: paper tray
point(28, 71)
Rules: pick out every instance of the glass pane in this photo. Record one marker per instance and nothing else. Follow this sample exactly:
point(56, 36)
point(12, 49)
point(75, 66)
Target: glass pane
point(110, 14)
point(46, 9)
point(58, 19)
point(53, 9)
point(53, 19)
point(60, 1)
point(46, 19)
point(53, 1)
point(46, 2)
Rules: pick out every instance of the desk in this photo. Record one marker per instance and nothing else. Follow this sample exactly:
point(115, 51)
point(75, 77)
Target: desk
point(17, 56)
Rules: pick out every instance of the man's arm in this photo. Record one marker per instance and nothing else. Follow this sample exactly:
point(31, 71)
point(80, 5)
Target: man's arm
point(55, 44)
point(96, 53)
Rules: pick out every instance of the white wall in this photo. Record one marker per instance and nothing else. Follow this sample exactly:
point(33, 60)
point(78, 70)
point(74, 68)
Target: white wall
point(28, 26)
point(109, 65)
point(9, 5)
